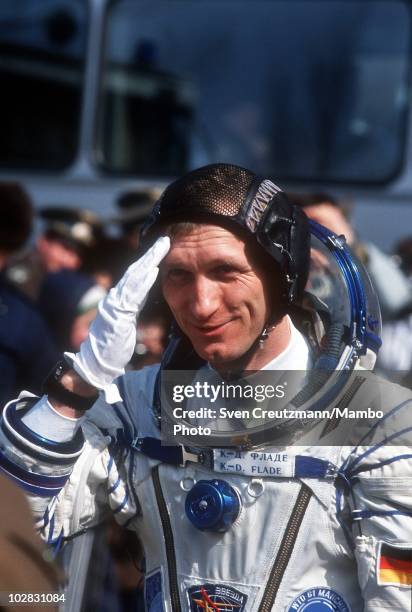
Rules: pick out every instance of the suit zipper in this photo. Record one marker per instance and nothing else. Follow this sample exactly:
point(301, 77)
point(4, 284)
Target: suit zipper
point(169, 541)
point(285, 549)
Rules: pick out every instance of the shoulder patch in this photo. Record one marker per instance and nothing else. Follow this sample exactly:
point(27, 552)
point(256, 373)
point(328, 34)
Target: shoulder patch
point(394, 566)
point(216, 597)
point(319, 599)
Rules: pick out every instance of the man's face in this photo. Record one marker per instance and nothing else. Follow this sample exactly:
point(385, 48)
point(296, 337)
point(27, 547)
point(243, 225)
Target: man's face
point(331, 217)
point(56, 256)
point(218, 291)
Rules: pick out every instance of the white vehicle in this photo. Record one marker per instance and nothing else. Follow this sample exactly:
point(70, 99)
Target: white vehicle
point(99, 97)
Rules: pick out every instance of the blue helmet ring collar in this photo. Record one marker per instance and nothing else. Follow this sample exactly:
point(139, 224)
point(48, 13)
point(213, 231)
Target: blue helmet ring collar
point(364, 326)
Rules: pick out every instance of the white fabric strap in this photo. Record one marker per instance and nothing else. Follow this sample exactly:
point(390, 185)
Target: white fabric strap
point(43, 419)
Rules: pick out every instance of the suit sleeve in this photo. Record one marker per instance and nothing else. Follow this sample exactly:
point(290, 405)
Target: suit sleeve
point(380, 474)
point(71, 485)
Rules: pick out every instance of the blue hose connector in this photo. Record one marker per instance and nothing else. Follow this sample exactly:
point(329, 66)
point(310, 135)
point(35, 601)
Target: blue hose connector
point(212, 505)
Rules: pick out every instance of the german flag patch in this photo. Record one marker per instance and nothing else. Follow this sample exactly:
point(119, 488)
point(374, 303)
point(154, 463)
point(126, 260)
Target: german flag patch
point(394, 565)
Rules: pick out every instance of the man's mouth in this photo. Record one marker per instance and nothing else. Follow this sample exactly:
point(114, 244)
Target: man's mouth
point(211, 330)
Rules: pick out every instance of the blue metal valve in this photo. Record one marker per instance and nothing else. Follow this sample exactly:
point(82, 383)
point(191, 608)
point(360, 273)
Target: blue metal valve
point(212, 505)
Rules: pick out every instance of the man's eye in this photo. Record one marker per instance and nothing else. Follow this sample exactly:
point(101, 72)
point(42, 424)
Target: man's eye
point(177, 274)
point(225, 269)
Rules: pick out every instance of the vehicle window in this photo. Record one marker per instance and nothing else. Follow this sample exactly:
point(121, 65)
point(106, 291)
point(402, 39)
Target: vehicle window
point(42, 54)
point(297, 89)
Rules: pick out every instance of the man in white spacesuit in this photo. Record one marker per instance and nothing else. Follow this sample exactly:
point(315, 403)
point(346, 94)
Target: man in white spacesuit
point(294, 514)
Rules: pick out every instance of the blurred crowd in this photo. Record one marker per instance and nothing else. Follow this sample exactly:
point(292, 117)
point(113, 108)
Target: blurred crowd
point(391, 276)
point(52, 280)
point(50, 285)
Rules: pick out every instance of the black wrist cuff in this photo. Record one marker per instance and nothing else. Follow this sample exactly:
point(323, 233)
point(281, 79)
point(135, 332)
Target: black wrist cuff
point(53, 387)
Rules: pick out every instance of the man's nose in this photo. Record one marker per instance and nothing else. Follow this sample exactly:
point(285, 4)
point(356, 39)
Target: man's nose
point(205, 299)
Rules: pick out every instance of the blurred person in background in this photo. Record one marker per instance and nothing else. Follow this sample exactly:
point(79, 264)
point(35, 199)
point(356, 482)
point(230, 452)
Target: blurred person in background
point(66, 241)
point(133, 207)
point(27, 351)
point(395, 357)
point(390, 282)
point(128, 562)
point(403, 255)
point(25, 564)
point(108, 260)
point(115, 575)
point(68, 302)
point(153, 327)
point(152, 332)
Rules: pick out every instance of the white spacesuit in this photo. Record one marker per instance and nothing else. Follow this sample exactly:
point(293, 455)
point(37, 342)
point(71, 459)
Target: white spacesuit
point(315, 519)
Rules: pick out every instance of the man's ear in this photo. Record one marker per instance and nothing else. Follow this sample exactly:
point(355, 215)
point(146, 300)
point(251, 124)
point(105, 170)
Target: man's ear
point(271, 278)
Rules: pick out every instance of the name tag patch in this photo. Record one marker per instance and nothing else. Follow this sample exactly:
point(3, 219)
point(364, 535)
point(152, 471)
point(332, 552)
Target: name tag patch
point(216, 597)
point(276, 464)
point(319, 599)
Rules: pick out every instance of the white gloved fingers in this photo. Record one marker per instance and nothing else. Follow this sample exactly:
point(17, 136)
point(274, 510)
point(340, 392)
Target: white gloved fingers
point(147, 284)
point(151, 259)
point(130, 289)
point(112, 336)
point(131, 296)
point(156, 253)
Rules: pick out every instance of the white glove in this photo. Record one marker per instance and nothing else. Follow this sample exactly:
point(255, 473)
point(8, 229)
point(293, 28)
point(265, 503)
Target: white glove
point(112, 336)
